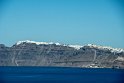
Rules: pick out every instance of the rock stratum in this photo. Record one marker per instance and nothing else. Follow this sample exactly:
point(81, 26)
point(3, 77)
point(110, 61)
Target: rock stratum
point(31, 53)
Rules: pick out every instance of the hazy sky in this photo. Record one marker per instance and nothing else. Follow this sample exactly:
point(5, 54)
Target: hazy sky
point(66, 21)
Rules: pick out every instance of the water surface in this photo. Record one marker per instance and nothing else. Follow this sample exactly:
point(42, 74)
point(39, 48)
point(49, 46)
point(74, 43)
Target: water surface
point(60, 75)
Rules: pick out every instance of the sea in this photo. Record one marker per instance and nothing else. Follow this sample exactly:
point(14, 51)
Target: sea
point(11, 74)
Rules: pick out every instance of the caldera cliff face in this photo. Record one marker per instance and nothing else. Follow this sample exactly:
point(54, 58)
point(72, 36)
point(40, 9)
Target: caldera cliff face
point(54, 54)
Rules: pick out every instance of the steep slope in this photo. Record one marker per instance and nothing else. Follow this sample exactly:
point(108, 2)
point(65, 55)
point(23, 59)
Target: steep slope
point(31, 53)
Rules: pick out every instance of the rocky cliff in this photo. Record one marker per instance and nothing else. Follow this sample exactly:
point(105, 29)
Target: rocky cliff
point(30, 53)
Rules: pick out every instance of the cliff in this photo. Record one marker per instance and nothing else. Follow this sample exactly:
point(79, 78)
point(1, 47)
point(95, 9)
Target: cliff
point(30, 53)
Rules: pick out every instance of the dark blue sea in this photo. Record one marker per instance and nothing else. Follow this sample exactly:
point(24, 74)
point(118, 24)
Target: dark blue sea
point(60, 75)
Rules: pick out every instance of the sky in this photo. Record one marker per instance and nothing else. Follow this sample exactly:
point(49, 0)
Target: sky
point(99, 22)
